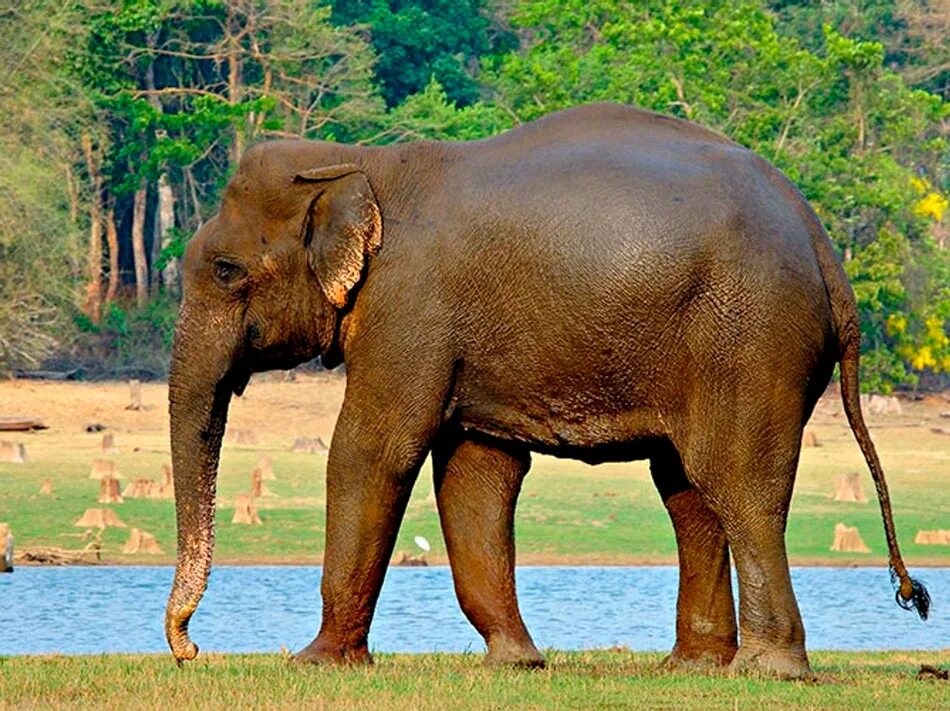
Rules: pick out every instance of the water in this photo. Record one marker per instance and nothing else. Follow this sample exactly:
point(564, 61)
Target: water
point(258, 609)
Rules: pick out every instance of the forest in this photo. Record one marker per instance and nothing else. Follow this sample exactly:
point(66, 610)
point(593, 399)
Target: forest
point(121, 122)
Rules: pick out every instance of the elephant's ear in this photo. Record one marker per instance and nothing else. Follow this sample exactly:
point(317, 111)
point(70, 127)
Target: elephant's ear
point(342, 229)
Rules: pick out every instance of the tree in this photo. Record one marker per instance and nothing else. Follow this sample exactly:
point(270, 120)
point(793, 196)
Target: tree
point(185, 85)
point(912, 32)
point(42, 194)
point(420, 40)
point(431, 115)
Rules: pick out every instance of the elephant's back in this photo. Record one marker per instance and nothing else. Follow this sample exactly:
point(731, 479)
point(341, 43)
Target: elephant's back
point(607, 194)
point(607, 258)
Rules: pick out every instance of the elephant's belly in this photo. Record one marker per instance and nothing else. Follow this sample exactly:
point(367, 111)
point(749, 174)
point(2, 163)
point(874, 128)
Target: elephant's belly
point(592, 437)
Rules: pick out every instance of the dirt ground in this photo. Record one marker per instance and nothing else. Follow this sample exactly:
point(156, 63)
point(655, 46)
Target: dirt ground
point(274, 407)
point(569, 513)
point(278, 407)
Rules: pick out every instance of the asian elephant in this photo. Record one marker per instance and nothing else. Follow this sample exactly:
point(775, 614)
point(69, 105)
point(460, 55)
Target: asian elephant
point(604, 284)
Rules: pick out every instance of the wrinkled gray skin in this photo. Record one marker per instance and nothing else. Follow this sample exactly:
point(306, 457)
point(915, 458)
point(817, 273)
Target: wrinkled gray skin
point(601, 284)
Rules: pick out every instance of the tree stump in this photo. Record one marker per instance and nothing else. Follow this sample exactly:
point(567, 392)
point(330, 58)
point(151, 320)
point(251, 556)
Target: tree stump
point(103, 468)
point(884, 405)
point(310, 445)
point(109, 491)
point(141, 542)
point(135, 394)
point(99, 518)
point(12, 452)
point(810, 439)
point(168, 481)
point(108, 444)
point(848, 488)
point(168, 477)
point(411, 561)
point(244, 511)
point(47, 487)
point(6, 548)
point(939, 537)
point(267, 468)
point(137, 489)
point(431, 500)
point(848, 540)
point(258, 488)
point(238, 436)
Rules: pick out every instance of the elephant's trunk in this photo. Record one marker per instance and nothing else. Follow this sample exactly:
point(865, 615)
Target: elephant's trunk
point(200, 385)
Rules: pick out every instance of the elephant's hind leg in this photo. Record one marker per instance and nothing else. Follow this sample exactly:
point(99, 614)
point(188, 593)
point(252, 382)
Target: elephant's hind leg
point(705, 613)
point(477, 486)
point(749, 486)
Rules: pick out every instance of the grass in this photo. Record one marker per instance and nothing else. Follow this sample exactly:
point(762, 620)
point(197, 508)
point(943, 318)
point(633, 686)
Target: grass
point(568, 513)
point(599, 679)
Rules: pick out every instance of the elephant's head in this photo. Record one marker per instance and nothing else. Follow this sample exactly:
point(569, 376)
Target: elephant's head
point(265, 281)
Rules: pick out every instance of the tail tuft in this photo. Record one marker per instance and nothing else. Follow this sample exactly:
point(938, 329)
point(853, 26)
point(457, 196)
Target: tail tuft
point(912, 595)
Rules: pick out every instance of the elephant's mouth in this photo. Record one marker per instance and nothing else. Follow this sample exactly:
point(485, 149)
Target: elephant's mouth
point(258, 360)
point(237, 378)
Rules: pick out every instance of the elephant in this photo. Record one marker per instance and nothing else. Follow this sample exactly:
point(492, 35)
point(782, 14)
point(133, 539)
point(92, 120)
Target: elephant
point(604, 284)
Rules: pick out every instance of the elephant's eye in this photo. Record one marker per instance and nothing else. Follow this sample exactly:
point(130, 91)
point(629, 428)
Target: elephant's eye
point(228, 272)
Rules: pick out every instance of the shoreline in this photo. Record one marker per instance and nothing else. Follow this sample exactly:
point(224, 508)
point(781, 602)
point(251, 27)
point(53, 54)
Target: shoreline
point(529, 560)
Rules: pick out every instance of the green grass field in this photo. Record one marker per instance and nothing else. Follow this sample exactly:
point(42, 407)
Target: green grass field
point(568, 513)
point(580, 680)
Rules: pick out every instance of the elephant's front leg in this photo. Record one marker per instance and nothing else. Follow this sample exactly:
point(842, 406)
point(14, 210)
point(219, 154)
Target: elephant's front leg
point(373, 462)
point(477, 486)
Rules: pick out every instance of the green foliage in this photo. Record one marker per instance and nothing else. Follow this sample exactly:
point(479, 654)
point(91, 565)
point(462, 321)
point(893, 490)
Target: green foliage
point(129, 339)
point(430, 114)
point(420, 39)
point(911, 33)
point(846, 97)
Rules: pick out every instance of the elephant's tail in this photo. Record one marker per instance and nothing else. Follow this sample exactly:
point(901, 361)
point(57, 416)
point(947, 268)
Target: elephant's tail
point(911, 595)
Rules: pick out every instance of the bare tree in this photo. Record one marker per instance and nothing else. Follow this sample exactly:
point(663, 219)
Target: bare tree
point(42, 242)
point(928, 28)
point(285, 52)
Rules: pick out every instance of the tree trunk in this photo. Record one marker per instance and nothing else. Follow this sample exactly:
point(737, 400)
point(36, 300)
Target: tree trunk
point(92, 305)
point(112, 238)
point(155, 249)
point(138, 247)
point(73, 195)
point(193, 193)
point(166, 222)
point(165, 212)
point(234, 80)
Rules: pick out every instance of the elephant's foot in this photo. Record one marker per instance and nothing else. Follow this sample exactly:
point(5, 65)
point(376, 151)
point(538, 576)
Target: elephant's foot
point(505, 651)
point(783, 663)
point(324, 653)
point(702, 652)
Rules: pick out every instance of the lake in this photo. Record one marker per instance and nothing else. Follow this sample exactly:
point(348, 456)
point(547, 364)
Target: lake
point(92, 610)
